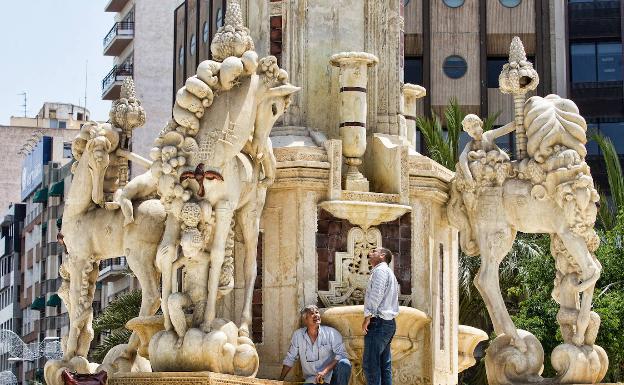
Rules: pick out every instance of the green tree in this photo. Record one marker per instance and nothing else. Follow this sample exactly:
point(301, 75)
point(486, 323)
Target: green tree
point(112, 321)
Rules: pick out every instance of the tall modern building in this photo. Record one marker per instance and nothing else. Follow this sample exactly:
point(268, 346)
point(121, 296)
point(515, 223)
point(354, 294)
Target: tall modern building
point(141, 42)
point(595, 76)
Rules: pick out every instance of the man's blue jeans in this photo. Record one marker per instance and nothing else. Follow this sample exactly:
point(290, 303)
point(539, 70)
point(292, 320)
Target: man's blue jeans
point(341, 373)
point(377, 360)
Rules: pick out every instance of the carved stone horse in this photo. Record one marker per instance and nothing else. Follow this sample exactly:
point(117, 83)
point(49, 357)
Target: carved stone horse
point(550, 192)
point(92, 234)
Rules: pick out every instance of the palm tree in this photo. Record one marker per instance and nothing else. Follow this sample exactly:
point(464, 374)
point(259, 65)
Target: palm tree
point(609, 209)
point(113, 321)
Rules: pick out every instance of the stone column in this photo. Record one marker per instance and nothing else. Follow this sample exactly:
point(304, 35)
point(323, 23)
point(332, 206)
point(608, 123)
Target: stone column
point(353, 109)
point(411, 93)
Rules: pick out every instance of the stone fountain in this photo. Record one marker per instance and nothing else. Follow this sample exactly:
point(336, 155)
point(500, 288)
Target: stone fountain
point(262, 197)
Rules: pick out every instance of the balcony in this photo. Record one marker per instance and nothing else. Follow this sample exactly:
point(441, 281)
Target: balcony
point(594, 20)
point(115, 5)
point(111, 268)
point(111, 84)
point(118, 38)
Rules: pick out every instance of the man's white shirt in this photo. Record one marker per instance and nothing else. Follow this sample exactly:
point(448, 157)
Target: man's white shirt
point(315, 356)
point(382, 295)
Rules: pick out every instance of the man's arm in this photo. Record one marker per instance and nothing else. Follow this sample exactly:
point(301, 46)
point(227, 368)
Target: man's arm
point(285, 370)
point(291, 356)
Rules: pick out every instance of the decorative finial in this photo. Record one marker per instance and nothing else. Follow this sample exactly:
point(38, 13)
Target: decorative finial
point(127, 88)
point(233, 37)
point(516, 50)
point(517, 78)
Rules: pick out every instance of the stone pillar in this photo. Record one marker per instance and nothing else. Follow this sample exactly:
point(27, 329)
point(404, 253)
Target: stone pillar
point(411, 93)
point(353, 81)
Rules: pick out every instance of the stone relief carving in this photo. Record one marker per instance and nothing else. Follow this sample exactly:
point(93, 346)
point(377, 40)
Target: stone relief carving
point(492, 197)
point(353, 270)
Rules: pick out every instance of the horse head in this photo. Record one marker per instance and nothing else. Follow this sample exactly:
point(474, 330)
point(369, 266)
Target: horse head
point(92, 148)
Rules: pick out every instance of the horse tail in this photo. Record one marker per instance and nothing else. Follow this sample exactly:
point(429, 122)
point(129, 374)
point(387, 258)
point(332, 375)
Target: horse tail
point(457, 214)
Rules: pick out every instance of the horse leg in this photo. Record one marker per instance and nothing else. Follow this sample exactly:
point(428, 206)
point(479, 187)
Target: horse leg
point(165, 256)
point(589, 273)
point(249, 221)
point(223, 219)
point(141, 262)
point(494, 247)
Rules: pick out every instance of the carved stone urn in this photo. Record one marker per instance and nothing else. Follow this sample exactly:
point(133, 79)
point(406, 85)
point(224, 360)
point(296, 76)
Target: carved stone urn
point(353, 108)
point(406, 345)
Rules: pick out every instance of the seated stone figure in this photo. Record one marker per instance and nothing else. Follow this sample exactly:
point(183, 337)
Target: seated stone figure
point(320, 350)
point(481, 148)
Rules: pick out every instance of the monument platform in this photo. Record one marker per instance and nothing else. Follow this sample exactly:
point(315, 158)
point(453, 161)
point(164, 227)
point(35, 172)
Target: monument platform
point(188, 378)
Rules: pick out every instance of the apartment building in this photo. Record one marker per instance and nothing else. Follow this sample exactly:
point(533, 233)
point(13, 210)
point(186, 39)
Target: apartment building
point(20, 137)
point(141, 41)
point(10, 286)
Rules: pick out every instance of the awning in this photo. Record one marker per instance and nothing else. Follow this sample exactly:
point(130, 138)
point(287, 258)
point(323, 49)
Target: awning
point(41, 196)
point(38, 303)
point(54, 300)
point(57, 189)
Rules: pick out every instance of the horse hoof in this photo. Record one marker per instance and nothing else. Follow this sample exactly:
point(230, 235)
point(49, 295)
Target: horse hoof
point(519, 344)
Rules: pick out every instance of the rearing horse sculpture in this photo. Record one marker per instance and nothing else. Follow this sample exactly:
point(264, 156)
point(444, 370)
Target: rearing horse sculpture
point(548, 191)
point(211, 166)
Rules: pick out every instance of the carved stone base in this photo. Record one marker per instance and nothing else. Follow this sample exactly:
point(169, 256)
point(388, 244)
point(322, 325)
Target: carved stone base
point(579, 364)
point(220, 351)
point(356, 183)
point(506, 364)
point(186, 378)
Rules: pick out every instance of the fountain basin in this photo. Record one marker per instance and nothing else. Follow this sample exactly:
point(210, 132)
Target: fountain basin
point(365, 214)
point(468, 339)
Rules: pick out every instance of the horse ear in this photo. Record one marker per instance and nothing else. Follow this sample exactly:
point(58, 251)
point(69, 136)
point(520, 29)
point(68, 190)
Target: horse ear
point(283, 90)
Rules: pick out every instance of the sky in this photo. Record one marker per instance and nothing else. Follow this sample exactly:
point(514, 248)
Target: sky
point(46, 46)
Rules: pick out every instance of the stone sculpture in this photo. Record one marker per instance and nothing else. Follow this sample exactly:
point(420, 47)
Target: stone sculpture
point(493, 197)
point(92, 233)
point(211, 166)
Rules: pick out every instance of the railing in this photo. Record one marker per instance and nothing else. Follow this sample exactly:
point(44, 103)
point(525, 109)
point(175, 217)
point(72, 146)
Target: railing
point(123, 28)
point(111, 77)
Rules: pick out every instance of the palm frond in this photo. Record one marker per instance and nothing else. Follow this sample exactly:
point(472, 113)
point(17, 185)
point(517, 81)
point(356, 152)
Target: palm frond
point(489, 121)
point(615, 178)
point(118, 312)
point(117, 337)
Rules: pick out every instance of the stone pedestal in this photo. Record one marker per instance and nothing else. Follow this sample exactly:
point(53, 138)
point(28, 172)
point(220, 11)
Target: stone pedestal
point(353, 81)
point(411, 94)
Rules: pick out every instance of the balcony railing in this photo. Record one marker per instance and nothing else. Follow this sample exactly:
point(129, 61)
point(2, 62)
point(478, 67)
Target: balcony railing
point(116, 75)
point(118, 38)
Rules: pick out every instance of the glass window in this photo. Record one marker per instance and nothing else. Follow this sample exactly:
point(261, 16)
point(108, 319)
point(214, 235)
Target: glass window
point(62, 124)
point(454, 3)
point(615, 132)
point(219, 21)
point(206, 32)
point(583, 58)
point(455, 67)
point(54, 123)
point(193, 45)
point(406, 2)
point(494, 68)
point(592, 146)
point(609, 62)
point(510, 3)
point(181, 56)
point(412, 73)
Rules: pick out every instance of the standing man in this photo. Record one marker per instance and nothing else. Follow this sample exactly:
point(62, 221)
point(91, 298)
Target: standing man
point(320, 350)
point(381, 306)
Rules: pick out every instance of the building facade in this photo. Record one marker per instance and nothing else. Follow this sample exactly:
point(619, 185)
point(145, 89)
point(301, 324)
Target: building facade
point(141, 42)
point(595, 75)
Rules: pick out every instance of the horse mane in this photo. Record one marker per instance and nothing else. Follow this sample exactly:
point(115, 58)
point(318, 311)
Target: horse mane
point(553, 124)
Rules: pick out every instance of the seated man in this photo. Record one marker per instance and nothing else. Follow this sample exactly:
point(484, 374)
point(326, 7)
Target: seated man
point(320, 349)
